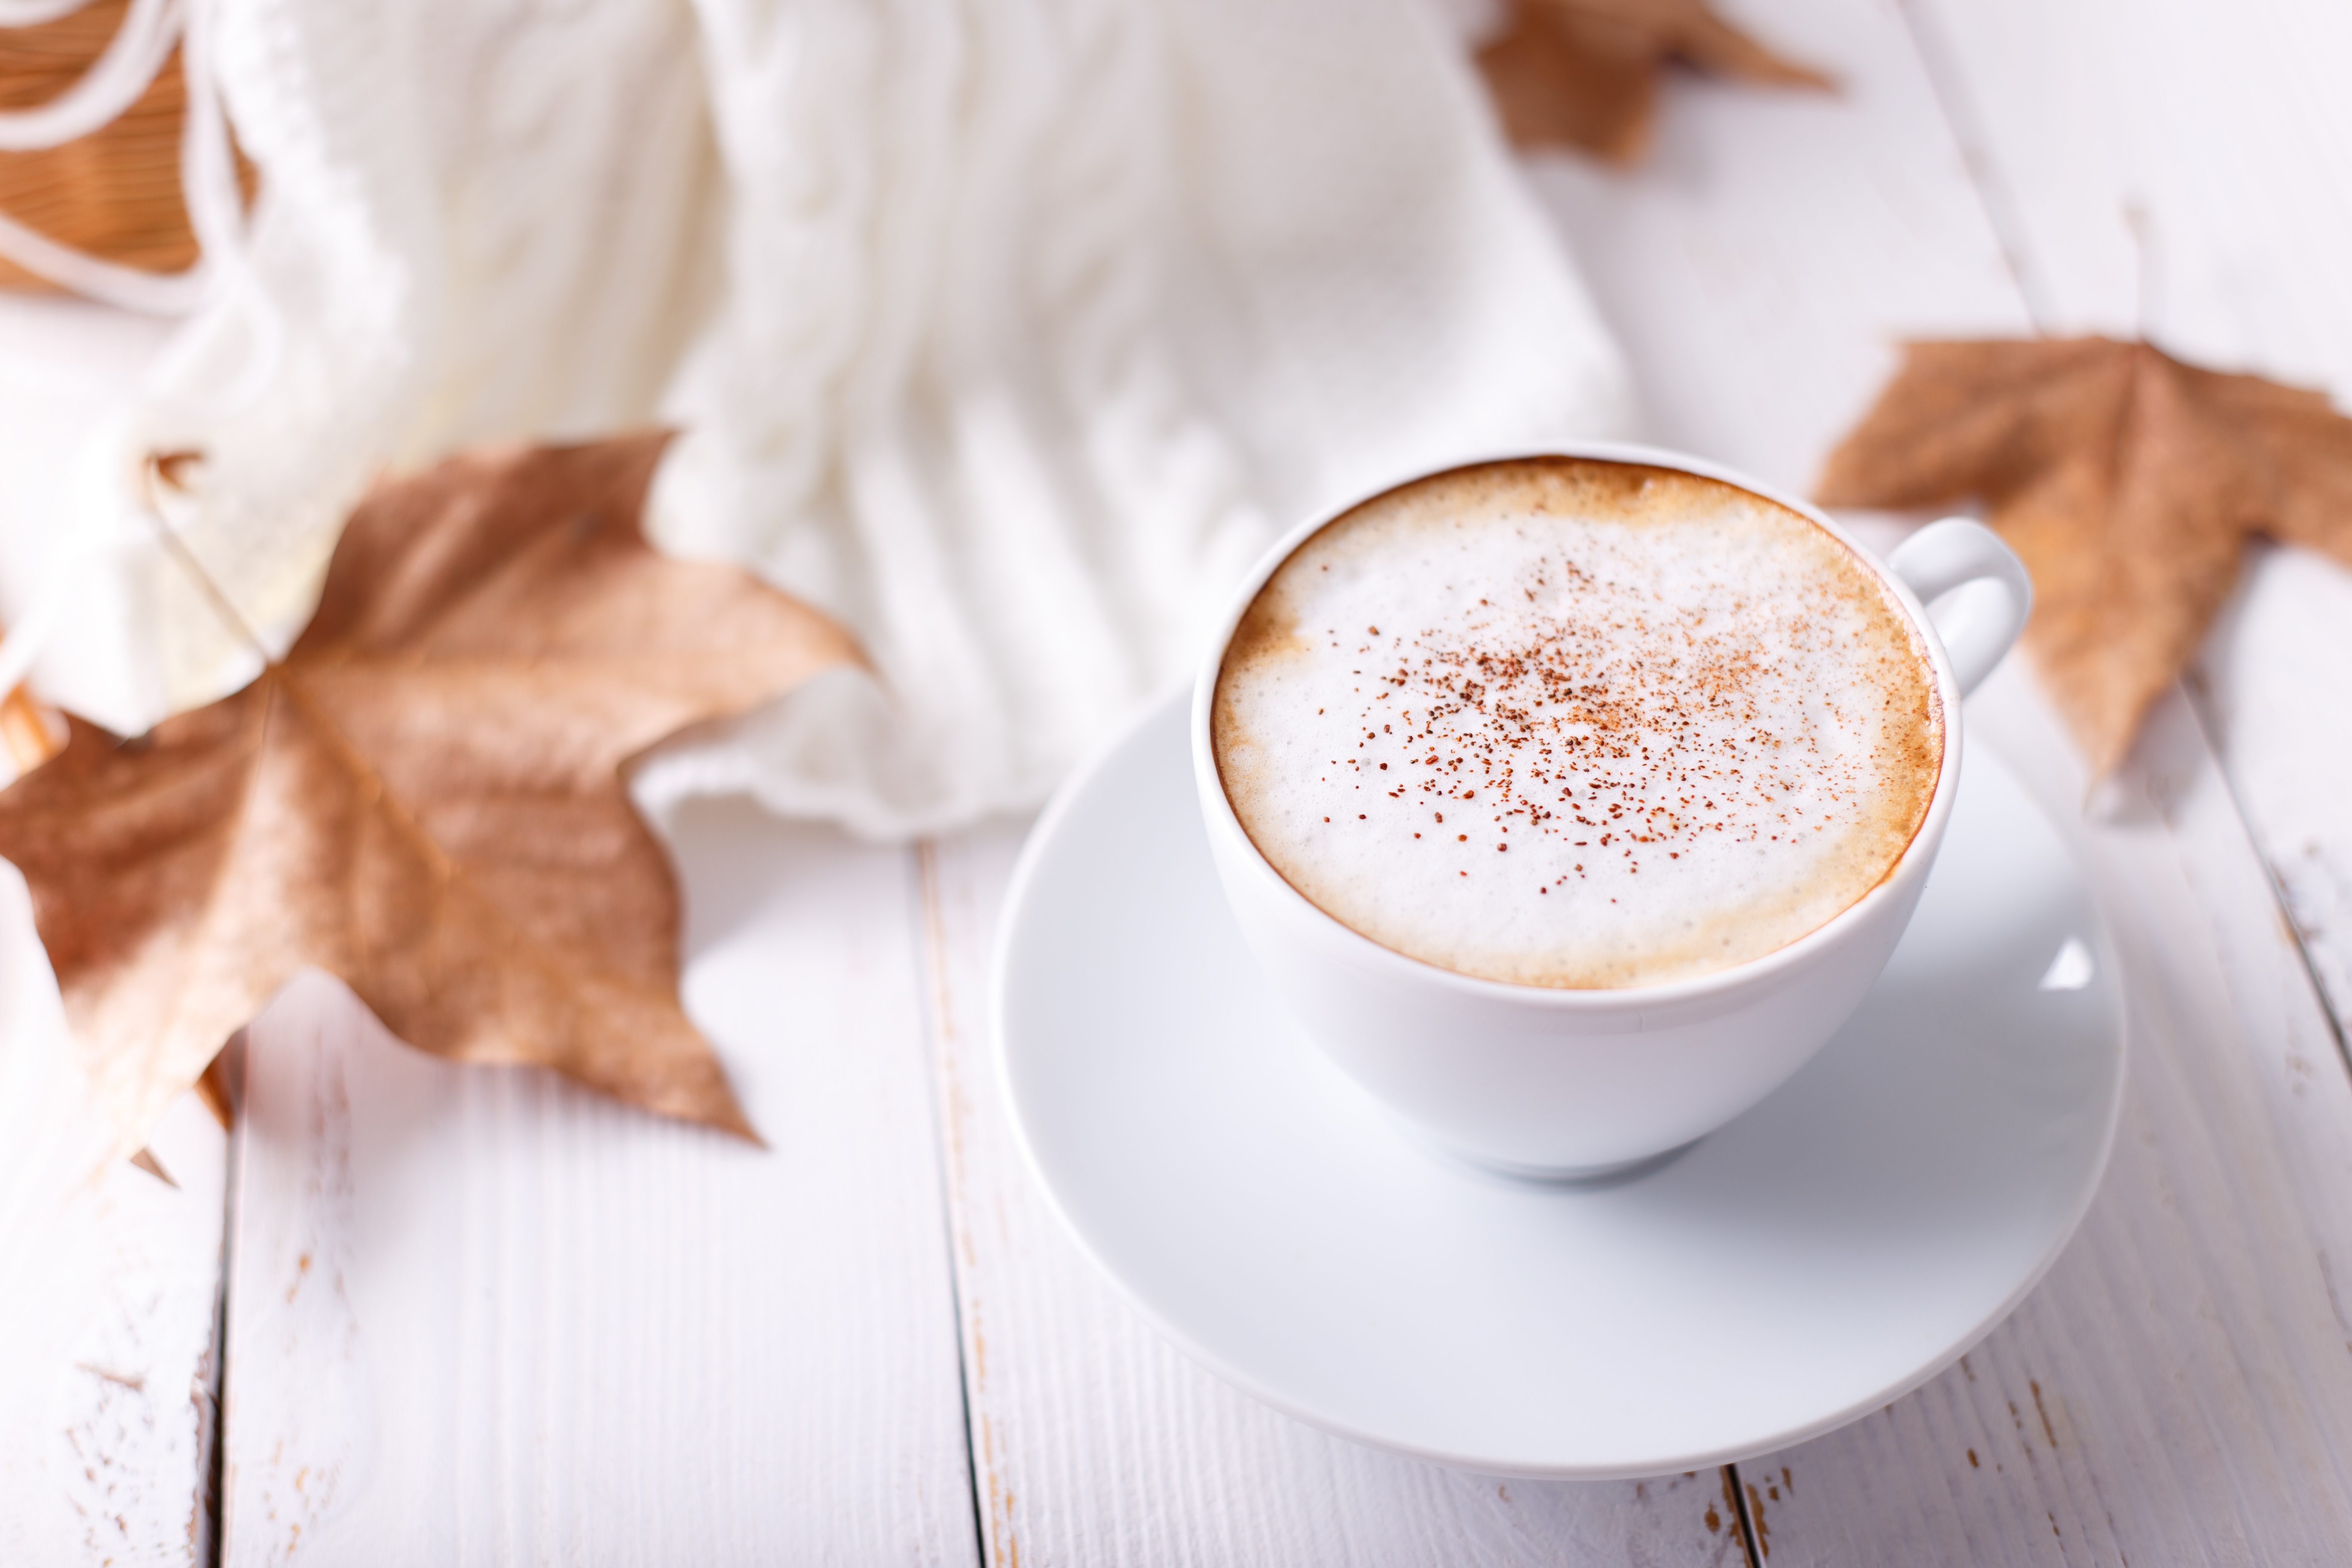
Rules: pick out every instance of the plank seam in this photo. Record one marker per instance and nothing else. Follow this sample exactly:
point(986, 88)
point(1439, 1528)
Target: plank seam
point(1738, 1490)
point(210, 1547)
point(1959, 112)
point(931, 956)
point(2200, 702)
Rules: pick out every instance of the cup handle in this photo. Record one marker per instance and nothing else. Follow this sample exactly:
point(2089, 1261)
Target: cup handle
point(1977, 631)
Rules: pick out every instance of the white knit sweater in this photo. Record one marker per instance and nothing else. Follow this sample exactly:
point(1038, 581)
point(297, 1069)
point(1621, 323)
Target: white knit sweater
point(1008, 332)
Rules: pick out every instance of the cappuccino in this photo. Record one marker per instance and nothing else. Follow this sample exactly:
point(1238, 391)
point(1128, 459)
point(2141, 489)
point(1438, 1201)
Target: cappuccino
point(1578, 723)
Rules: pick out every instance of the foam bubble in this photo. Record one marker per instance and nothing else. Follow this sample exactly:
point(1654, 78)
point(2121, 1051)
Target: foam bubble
point(1576, 724)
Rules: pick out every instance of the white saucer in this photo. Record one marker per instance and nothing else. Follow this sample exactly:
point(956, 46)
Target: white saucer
point(1830, 1250)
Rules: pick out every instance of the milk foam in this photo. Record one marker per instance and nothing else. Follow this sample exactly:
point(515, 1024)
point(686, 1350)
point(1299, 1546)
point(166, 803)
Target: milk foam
point(1577, 723)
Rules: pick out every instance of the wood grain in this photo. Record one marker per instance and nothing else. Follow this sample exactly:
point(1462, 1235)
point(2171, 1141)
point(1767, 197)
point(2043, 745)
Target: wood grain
point(480, 1316)
point(109, 1380)
point(2274, 684)
point(1093, 1443)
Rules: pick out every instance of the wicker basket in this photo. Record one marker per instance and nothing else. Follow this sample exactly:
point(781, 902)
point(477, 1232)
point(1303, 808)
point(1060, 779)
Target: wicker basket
point(114, 193)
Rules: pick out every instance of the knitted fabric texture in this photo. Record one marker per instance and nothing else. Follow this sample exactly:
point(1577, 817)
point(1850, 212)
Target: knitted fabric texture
point(1008, 332)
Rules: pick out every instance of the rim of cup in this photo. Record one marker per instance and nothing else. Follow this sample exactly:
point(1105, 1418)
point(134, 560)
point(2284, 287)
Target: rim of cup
point(1907, 866)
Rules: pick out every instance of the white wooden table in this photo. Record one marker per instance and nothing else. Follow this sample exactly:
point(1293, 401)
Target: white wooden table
point(478, 1316)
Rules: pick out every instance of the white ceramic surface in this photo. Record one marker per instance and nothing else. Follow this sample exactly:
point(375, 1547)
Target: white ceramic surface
point(1841, 1243)
point(1539, 1081)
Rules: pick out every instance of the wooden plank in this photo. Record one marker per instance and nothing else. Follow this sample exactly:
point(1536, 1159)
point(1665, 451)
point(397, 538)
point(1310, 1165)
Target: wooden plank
point(2185, 171)
point(107, 1365)
point(2174, 1391)
point(2274, 685)
point(2170, 168)
point(107, 1382)
point(479, 1315)
point(1762, 267)
point(1097, 1444)
point(2179, 1388)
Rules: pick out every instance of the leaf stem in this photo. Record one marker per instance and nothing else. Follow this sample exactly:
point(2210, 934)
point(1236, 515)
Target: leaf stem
point(162, 469)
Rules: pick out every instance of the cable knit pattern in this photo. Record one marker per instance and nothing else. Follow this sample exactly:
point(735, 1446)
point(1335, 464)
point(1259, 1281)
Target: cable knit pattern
point(1007, 330)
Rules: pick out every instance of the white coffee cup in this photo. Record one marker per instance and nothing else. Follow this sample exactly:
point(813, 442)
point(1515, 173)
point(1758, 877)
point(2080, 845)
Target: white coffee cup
point(1548, 1082)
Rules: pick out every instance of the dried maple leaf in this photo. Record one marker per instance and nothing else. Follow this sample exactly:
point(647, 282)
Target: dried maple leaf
point(425, 797)
point(1583, 73)
point(2126, 481)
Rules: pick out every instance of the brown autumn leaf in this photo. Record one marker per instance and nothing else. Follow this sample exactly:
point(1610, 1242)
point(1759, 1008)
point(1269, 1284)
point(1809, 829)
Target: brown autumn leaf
point(425, 797)
point(2128, 483)
point(1583, 73)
